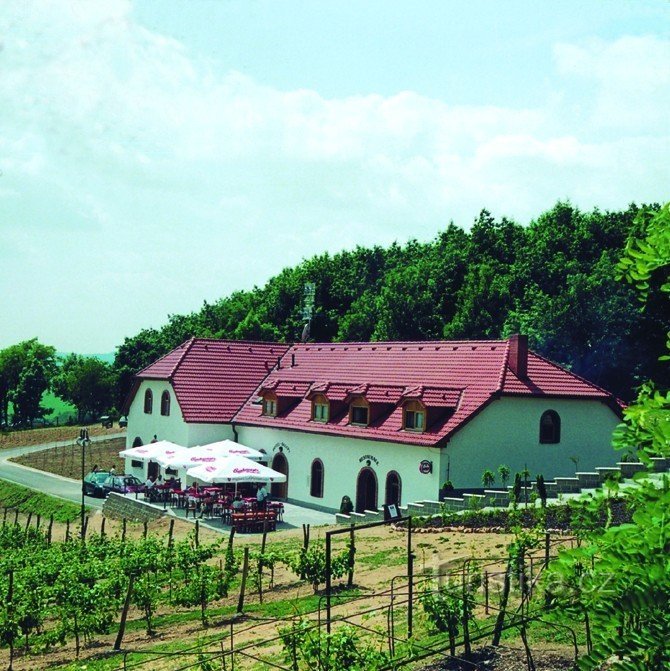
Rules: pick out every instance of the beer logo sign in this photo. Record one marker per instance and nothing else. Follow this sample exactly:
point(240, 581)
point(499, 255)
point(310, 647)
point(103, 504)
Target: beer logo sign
point(426, 467)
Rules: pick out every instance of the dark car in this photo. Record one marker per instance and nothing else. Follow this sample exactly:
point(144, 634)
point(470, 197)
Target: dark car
point(93, 483)
point(122, 484)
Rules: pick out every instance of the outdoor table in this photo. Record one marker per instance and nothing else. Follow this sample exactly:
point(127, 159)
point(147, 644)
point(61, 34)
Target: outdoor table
point(179, 497)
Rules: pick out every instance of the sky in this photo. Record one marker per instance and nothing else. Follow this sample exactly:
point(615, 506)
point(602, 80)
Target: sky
point(155, 154)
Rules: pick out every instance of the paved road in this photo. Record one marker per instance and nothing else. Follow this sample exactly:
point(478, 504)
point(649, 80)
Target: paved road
point(48, 483)
point(70, 490)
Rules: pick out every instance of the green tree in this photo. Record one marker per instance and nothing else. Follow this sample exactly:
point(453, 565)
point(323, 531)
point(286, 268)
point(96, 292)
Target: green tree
point(87, 383)
point(488, 478)
point(504, 473)
point(12, 362)
point(627, 618)
point(38, 367)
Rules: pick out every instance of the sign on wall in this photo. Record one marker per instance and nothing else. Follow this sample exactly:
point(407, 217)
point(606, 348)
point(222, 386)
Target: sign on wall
point(426, 467)
point(368, 458)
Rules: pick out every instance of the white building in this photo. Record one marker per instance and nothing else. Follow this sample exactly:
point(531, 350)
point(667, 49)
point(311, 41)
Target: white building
point(379, 422)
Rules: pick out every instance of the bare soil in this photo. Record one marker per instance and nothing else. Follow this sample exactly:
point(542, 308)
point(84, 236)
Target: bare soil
point(65, 460)
point(381, 555)
point(509, 659)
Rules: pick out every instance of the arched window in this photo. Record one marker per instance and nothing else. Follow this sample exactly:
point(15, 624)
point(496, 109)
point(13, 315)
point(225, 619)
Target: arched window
point(320, 408)
point(414, 416)
point(137, 442)
point(393, 488)
point(316, 481)
point(165, 403)
point(270, 405)
point(359, 412)
point(148, 402)
point(550, 427)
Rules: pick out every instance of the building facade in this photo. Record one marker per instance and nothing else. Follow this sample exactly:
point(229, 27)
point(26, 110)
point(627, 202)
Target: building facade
point(377, 422)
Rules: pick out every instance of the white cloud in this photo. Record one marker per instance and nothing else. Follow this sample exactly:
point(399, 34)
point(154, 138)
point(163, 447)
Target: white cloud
point(183, 183)
point(630, 79)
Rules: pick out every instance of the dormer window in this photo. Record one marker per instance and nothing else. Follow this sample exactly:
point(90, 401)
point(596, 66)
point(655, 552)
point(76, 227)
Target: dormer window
point(414, 416)
point(148, 402)
point(359, 412)
point(270, 405)
point(320, 408)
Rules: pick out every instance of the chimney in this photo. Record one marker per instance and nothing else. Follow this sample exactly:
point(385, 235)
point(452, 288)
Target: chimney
point(518, 355)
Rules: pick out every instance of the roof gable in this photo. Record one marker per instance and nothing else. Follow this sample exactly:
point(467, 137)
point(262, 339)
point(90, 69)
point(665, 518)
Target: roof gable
point(212, 379)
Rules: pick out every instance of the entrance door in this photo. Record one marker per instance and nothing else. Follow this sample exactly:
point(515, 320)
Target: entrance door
point(152, 470)
point(279, 490)
point(366, 491)
point(392, 488)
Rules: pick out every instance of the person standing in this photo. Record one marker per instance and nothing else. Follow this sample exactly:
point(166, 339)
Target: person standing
point(262, 498)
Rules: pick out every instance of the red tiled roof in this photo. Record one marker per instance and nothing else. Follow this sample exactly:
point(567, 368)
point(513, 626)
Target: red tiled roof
point(463, 375)
point(218, 381)
point(545, 377)
point(212, 379)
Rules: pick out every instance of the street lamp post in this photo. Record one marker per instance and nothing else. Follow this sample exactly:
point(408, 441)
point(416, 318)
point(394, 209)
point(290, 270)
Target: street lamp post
point(84, 441)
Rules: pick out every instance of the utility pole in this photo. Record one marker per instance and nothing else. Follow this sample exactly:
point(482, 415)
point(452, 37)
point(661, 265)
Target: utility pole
point(308, 293)
point(84, 441)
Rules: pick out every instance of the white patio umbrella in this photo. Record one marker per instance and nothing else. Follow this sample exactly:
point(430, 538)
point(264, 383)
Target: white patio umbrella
point(163, 449)
point(235, 469)
point(209, 454)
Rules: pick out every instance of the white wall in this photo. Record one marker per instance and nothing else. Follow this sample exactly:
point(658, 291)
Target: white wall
point(145, 426)
point(343, 458)
point(508, 432)
point(172, 428)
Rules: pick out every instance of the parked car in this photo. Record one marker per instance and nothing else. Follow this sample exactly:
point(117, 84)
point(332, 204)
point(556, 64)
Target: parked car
point(123, 422)
point(122, 484)
point(93, 483)
point(107, 422)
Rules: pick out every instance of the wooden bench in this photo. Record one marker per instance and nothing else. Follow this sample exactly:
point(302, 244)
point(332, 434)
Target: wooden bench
point(254, 521)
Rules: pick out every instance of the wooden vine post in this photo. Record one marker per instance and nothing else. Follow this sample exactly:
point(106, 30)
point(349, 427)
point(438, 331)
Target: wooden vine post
point(124, 613)
point(260, 562)
point(243, 586)
point(352, 557)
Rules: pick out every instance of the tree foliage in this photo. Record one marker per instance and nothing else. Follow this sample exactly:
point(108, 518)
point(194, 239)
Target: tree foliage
point(553, 280)
point(87, 383)
point(26, 372)
point(618, 581)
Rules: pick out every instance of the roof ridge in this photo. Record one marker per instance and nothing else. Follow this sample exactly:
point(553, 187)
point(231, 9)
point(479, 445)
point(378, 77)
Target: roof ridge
point(229, 341)
point(187, 349)
point(378, 343)
point(503, 373)
point(167, 354)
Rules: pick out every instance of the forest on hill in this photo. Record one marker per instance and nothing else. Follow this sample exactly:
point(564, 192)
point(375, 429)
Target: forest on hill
point(554, 280)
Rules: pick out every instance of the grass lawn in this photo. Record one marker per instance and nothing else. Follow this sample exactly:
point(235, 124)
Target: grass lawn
point(60, 410)
point(29, 501)
point(66, 460)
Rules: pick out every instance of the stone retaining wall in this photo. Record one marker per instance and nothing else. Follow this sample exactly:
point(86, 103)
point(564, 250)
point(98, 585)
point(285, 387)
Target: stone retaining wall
point(118, 507)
